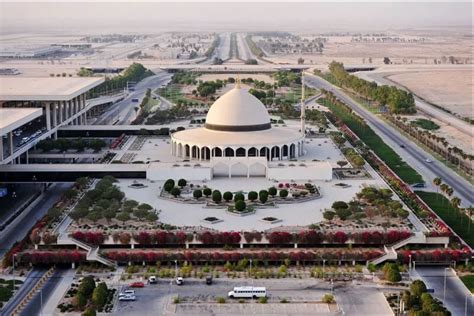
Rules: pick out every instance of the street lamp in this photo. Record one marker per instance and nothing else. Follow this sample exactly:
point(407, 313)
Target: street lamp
point(444, 288)
point(409, 264)
point(332, 287)
point(176, 268)
point(14, 255)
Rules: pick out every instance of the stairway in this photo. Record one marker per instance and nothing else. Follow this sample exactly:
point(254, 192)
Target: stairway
point(92, 252)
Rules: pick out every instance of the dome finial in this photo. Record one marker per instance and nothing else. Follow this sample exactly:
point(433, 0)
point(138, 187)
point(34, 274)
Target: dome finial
point(237, 82)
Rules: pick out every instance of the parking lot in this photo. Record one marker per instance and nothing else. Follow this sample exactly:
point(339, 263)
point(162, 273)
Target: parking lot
point(303, 295)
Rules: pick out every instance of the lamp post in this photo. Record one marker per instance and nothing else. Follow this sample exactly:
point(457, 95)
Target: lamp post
point(444, 288)
point(176, 268)
point(409, 264)
point(14, 255)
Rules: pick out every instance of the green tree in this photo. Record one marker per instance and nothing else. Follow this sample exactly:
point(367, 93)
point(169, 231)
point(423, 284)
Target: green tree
point(252, 196)
point(175, 192)
point(97, 144)
point(329, 215)
point(109, 213)
point(216, 196)
point(272, 191)
point(151, 217)
point(54, 213)
point(87, 286)
point(239, 197)
point(140, 213)
point(123, 217)
point(99, 296)
point(283, 193)
point(145, 207)
point(207, 192)
point(263, 196)
point(94, 216)
point(343, 213)
point(240, 205)
point(417, 288)
point(182, 182)
point(89, 312)
point(80, 300)
point(168, 186)
point(339, 204)
point(228, 196)
point(197, 194)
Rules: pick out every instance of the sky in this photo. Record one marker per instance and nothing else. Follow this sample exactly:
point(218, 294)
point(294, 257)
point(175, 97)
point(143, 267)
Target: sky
point(154, 17)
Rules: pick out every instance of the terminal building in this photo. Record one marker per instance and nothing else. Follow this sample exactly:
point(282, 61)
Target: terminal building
point(32, 109)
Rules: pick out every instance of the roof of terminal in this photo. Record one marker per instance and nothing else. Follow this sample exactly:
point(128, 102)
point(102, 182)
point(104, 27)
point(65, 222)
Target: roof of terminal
point(45, 88)
point(12, 118)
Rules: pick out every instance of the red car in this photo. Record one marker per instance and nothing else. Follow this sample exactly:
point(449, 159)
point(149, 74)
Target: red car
point(137, 284)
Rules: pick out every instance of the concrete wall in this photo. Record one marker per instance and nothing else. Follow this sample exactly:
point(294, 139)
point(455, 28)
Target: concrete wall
point(310, 171)
point(163, 171)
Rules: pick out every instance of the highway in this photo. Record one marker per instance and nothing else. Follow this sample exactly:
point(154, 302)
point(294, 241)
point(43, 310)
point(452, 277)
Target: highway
point(32, 278)
point(10, 236)
point(123, 112)
point(459, 300)
point(39, 300)
point(412, 154)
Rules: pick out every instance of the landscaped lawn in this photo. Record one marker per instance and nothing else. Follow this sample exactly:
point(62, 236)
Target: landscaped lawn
point(371, 139)
point(468, 281)
point(442, 207)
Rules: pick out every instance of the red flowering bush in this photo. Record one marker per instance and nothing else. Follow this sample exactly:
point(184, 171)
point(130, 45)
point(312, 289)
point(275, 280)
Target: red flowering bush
point(50, 257)
point(94, 238)
point(279, 237)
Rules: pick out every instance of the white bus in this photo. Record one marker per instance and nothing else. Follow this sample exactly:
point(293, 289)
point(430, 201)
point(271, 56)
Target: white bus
point(247, 292)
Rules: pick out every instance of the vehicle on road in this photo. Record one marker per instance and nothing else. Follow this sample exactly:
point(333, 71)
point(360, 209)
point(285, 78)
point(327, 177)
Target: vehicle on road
point(402, 146)
point(152, 279)
point(179, 281)
point(430, 290)
point(135, 100)
point(428, 160)
point(127, 298)
point(419, 185)
point(137, 284)
point(248, 292)
point(209, 280)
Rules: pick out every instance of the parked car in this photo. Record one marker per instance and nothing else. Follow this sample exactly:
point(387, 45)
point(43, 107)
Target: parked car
point(127, 292)
point(127, 298)
point(428, 160)
point(179, 281)
point(137, 284)
point(209, 280)
point(135, 100)
point(152, 279)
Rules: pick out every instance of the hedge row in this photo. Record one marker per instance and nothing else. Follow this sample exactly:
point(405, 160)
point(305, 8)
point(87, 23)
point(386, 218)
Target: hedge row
point(234, 256)
point(309, 237)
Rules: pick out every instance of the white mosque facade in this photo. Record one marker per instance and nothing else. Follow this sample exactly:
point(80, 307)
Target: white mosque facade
point(238, 140)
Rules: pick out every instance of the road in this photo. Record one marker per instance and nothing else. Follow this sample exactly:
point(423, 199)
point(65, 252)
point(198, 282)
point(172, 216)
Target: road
point(243, 49)
point(412, 154)
point(456, 292)
point(123, 112)
point(39, 300)
point(32, 278)
point(51, 196)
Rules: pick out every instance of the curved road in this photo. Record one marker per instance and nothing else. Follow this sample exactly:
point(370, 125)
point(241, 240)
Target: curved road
point(413, 154)
point(124, 111)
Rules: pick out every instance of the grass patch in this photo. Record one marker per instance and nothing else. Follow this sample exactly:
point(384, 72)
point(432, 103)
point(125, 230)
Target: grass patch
point(456, 220)
point(371, 139)
point(425, 124)
point(468, 281)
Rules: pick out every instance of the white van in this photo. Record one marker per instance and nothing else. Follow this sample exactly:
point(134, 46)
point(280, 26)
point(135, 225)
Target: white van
point(247, 292)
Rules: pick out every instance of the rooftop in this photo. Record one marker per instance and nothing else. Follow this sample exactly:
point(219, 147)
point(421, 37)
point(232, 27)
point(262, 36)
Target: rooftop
point(45, 89)
point(12, 118)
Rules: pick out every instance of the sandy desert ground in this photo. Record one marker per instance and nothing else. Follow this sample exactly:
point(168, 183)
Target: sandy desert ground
point(452, 89)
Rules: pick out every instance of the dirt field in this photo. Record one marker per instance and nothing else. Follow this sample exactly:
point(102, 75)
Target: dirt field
point(452, 89)
point(452, 135)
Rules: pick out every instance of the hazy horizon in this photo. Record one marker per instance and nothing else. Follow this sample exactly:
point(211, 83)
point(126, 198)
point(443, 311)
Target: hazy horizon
point(82, 18)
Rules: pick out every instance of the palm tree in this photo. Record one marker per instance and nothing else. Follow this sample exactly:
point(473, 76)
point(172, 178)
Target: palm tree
point(437, 182)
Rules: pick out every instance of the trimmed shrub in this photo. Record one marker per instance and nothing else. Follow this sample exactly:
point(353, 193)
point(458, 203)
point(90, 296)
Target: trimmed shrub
point(197, 194)
point(240, 205)
point(228, 196)
point(239, 197)
point(217, 196)
point(283, 193)
point(252, 196)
